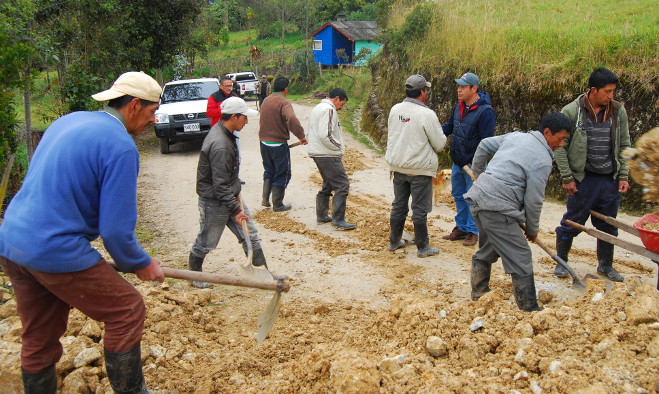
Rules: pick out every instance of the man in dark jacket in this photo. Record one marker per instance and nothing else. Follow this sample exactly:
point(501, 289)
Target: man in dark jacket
point(472, 120)
point(219, 188)
point(593, 171)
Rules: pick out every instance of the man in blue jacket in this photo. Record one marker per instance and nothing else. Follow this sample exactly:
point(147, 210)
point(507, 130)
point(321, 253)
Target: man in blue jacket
point(472, 120)
point(82, 184)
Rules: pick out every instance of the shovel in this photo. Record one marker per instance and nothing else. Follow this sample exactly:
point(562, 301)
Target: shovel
point(267, 320)
point(576, 282)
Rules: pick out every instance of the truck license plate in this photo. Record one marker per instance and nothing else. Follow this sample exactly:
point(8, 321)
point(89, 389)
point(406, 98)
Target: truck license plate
point(191, 127)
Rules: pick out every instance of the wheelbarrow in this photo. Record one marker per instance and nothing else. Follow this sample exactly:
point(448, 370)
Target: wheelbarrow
point(649, 238)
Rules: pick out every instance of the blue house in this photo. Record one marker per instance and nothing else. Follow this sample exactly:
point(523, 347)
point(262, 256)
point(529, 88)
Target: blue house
point(351, 36)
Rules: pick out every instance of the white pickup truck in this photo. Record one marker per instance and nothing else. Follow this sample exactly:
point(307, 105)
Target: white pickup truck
point(247, 81)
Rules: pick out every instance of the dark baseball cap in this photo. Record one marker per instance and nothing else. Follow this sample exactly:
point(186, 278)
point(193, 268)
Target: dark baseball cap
point(468, 79)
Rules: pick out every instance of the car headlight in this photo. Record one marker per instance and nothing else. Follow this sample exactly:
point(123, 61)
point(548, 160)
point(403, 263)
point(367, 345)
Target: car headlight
point(162, 117)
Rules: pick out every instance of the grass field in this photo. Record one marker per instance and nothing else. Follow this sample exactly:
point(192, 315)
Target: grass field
point(541, 38)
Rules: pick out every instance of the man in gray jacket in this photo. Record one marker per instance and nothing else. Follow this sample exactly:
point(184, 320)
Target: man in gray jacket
point(325, 143)
point(510, 191)
point(414, 138)
point(219, 188)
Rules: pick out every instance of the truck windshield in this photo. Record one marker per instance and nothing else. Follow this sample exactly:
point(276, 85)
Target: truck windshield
point(245, 77)
point(188, 91)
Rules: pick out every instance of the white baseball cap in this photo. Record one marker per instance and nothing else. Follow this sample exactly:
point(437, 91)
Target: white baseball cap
point(236, 105)
point(132, 83)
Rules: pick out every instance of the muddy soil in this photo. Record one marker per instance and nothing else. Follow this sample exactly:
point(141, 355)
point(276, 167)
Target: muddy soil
point(358, 318)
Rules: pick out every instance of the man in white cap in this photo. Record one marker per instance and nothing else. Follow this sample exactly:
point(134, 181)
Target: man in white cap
point(82, 184)
point(415, 137)
point(219, 188)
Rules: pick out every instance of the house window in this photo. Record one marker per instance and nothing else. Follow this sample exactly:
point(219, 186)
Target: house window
point(317, 45)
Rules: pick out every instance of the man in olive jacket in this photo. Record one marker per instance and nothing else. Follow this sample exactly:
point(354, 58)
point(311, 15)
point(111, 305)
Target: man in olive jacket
point(593, 171)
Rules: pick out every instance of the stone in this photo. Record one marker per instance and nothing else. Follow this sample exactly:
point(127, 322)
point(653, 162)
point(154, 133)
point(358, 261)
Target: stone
point(75, 383)
point(653, 347)
point(392, 364)
point(436, 346)
point(91, 329)
point(8, 309)
point(86, 357)
point(476, 324)
point(352, 374)
point(643, 309)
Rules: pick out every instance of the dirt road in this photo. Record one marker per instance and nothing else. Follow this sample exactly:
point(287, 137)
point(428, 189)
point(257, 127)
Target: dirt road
point(361, 319)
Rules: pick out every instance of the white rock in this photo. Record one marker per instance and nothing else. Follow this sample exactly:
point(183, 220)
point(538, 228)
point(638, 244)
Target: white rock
point(86, 357)
point(554, 366)
point(597, 297)
point(535, 388)
point(392, 364)
point(521, 375)
point(442, 314)
point(476, 324)
point(436, 346)
point(158, 351)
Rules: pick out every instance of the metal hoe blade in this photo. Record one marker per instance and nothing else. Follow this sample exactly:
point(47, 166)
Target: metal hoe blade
point(267, 319)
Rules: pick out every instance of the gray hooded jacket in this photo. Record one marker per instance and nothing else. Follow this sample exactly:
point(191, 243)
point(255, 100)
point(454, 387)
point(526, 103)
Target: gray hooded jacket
point(515, 178)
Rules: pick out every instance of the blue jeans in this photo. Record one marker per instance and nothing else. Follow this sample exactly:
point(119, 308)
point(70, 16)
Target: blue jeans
point(213, 217)
point(276, 164)
point(597, 192)
point(460, 184)
point(420, 188)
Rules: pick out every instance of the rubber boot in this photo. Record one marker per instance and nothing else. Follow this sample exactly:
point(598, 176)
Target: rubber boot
point(278, 199)
point(605, 260)
point(267, 188)
point(194, 264)
point(339, 212)
point(480, 278)
point(524, 289)
point(396, 233)
point(563, 246)
point(125, 371)
point(423, 248)
point(322, 206)
point(258, 258)
point(43, 382)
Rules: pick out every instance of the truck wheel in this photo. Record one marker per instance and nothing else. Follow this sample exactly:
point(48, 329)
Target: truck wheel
point(164, 145)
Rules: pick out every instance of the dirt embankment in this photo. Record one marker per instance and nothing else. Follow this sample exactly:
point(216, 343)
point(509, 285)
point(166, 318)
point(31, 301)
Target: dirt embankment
point(359, 319)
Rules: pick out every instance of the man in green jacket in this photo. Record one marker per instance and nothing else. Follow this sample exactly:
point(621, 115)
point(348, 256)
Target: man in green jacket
point(593, 171)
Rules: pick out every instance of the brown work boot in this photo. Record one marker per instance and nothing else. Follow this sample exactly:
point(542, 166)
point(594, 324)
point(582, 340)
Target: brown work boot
point(471, 239)
point(455, 235)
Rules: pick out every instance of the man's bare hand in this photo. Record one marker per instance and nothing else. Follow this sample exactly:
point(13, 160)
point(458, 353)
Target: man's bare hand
point(151, 272)
point(531, 238)
point(623, 186)
point(240, 216)
point(570, 188)
point(303, 141)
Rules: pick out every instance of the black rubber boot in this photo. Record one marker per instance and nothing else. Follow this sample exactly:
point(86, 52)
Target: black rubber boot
point(563, 246)
point(524, 288)
point(125, 371)
point(278, 199)
point(43, 382)
point(421, 240)
point(605, 261)
point(322, 206)
point(480, 278)
point(339, 213)
point(267, 188)
point(396, 233)
point(258, 258)
point(194, 264)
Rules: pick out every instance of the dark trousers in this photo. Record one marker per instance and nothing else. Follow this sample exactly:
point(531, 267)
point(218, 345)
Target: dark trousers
point(334, 175)
point(597, 192)
point(276, 164)
point(45, 299)
point(419, 187)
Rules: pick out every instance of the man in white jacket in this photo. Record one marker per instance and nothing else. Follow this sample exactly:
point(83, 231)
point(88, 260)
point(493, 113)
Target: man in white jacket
point(414, 139)
point(325, 143)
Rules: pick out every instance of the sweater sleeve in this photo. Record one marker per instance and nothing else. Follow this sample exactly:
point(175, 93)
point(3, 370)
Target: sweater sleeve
point(560, 154)
point(534, 196)
point(292, 122)
point(118, 213)
point(486, 149)
point(435, 133)
point(623, 171)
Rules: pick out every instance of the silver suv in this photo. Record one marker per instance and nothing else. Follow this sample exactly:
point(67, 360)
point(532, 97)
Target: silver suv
point(182, 112)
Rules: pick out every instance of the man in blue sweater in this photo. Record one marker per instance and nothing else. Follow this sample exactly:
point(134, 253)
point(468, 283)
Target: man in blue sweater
point(472, 120)
point(82, 184)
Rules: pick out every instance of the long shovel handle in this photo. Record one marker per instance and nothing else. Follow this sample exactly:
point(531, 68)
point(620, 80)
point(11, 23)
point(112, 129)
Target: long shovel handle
point(469, 172)
point(230, 280)
point(576, 282)
point(614, 222)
